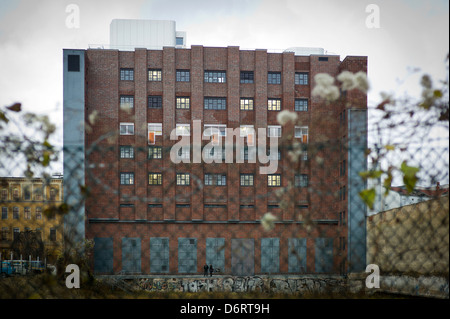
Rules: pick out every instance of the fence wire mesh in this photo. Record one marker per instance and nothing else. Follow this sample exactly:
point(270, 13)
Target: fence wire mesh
point(134, 221)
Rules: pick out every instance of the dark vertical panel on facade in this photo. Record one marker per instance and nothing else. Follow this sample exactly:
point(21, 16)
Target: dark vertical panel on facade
point(131, 255)
point(324, 255)
point(187, 255)
point(297, 255)
point(243, 257)
point(103, 255)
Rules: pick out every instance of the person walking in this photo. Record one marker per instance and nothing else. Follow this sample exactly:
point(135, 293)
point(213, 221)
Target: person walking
point(211, 270)
point(205, 270)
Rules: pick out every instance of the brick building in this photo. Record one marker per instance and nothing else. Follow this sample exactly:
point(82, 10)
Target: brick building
point(149, 215)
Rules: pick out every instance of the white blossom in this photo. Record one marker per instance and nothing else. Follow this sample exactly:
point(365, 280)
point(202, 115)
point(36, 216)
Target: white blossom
point(347, 79)
point(325, 87)
point(286, 116)
point(268, 221)
point(361, 81)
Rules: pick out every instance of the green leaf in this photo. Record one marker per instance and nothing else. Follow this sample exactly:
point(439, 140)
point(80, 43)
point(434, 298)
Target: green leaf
point(368, 196)
point(409, 176)
point(3, 117)
point(371, 174)
point(387, 184)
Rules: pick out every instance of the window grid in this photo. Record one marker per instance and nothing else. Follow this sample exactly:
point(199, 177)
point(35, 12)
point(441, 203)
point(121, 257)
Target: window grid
point(183, 179)
point(126, 151)
point(246, 104)
point(155, 179)
point(215, 179)
point(155, 102)
point(126, 128)
point(126, 178)
point(301, 78)
point(215, 103)
point(246, 179)
point(183, 76)
point(126, 101)
point(247, 77)
point(274, 131)
point(215, 76)
point(301, 105)
point(274, 180)
point(301, 180)
point(183, 102)
point(274, 78)
point(155, 75)
point(154, 152)
point(274, 104)
point(127, 74)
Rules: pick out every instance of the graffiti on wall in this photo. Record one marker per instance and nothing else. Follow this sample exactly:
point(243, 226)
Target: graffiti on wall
point(302, 285)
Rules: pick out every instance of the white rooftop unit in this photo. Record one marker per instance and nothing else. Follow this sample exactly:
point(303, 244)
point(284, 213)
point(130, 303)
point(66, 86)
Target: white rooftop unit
point(128, 34)
point(306, 51)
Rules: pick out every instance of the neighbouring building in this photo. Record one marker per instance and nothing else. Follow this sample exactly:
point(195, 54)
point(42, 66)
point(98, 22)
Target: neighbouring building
point(148, 215)
point(24, 206)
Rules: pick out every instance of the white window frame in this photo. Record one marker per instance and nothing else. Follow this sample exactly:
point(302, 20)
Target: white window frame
point(126, 125)
point(301, 128)
point(183, 129)
point(155, 128)
point(274, 128)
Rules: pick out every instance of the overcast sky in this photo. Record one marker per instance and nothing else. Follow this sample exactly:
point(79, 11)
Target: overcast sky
point(411, 34)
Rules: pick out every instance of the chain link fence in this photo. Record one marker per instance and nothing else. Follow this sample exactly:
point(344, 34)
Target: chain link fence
point(135, 223)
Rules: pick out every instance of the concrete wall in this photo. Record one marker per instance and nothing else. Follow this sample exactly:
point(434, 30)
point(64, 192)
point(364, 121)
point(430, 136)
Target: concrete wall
point(412, 238)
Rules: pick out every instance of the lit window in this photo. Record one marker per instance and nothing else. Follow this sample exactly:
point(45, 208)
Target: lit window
point(248, 131)
point(183, 179)
point(246, 104)
point(184, 153)
point(27, 213)
point(155, 179)
point(274, 180)
point(38, 212)
point(274, 104)
point(183, 103)
point(154, 152)
point(154, 75)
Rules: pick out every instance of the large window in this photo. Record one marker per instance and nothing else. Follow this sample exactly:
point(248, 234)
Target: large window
point(126, 102)
point(126, 151)
point(215, 103)
point(247, 77)
point(154, 152)
point(247, 104)
point(274, 104)
point(215, 179)
point(274, 130)
point(126, 128)
point(183, 102)
point(183, 76)
point(4, 212)
point(155, 179)
point(154, 75)
point(301, 105)
point(16, 213)
point(183, 129)
point(126, 178)
point(215, 76)
point(301, 78)
point(246, 179)
point(274, 180)
point(302, 133)
point(301, 180)
point(126, 74)
point(183, 179)
point(274, 78)
point(154, 129)
point(155, 101)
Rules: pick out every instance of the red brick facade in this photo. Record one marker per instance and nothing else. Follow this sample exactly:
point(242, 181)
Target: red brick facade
point(198, 211)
